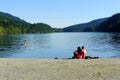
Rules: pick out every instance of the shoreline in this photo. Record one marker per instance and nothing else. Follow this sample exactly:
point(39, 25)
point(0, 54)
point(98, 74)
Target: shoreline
point(59, 69)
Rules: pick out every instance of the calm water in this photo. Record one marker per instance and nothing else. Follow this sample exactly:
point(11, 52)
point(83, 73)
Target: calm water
point(59, 45)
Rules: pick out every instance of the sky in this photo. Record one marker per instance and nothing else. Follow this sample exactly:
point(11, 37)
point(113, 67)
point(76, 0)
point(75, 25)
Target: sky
point(60, 13)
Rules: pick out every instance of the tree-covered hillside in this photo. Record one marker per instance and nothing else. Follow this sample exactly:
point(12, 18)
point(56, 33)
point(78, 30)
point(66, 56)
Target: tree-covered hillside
point(110, 25)
point(10, 24)
point(85, 27)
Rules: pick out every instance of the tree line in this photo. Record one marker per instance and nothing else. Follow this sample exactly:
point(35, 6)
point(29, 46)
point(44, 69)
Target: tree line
point(14, 25)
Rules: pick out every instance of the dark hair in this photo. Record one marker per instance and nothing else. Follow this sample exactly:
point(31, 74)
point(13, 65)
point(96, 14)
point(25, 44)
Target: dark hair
point(83, 47)
point(79, 50)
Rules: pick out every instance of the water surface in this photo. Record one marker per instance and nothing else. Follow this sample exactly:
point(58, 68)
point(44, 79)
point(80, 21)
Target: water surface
point(60, 45)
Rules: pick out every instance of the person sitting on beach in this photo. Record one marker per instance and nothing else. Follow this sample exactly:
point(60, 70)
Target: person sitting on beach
point(84, 52)
point(78, 54)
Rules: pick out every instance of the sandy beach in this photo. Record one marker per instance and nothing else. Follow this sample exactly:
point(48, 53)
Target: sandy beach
point(59, 69)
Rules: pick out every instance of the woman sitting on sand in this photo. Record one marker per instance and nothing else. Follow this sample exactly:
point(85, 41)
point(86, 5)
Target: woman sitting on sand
point(78, 54)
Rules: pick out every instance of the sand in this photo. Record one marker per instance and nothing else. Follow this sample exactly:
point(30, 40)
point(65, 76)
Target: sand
point(59, 69)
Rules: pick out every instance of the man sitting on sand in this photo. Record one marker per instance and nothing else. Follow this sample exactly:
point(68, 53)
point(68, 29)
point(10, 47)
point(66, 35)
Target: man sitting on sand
point(84, 52)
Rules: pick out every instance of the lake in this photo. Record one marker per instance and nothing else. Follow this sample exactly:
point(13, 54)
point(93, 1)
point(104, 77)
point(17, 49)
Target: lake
point(61, 45)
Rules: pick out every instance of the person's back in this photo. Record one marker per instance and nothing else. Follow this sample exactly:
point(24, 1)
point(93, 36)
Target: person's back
point(84, 52)
point(78, 53)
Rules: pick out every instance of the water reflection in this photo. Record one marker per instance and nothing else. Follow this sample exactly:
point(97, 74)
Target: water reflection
point(115, 38)
point(107, 44)
point(8, 43)
point(115, 42)
point(59, 45)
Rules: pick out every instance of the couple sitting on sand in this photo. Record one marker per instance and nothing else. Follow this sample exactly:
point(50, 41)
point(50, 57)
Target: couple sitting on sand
point(81, 53)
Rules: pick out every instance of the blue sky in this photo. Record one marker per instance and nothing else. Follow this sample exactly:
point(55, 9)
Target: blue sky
point(60, 13)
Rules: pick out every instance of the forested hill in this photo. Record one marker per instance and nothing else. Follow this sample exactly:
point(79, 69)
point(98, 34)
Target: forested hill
point(10, 24)
point(85, 27)
point(110, 25)
point(9, 17)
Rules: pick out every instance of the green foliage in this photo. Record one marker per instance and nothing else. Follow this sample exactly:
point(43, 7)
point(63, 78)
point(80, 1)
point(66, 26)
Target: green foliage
point(12, 30)
point(57, 30)
point(40, 28)
point(111, 25)
point(2, 30)
point(14, 25)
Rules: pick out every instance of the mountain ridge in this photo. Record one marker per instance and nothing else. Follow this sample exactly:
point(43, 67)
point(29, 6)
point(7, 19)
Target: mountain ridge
point(108, 24)
point(84, 27)
point(10, 17)
point(111, 25)
point(10, 24)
